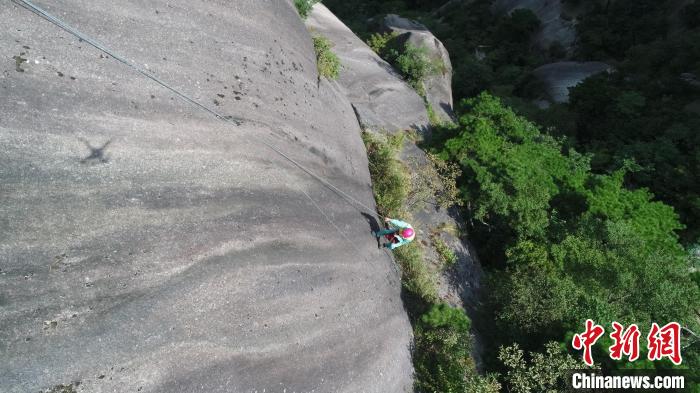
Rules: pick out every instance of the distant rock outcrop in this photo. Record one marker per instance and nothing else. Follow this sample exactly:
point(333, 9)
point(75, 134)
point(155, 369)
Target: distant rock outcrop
point(378, 94)
point(438, 86)
point(550, 12)
point(558, 77)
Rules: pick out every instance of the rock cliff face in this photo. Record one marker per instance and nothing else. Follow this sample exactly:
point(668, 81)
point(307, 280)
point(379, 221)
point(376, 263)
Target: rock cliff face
point(459, 285)
point(147, 246)
point(438, 85)
point(381, 99)
point(549, 12)
point(558, 77)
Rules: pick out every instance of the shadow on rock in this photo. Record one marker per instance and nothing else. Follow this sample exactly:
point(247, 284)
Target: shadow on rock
point(447, 108)
point(373, 224)
point(97, 154)
point(423, 130)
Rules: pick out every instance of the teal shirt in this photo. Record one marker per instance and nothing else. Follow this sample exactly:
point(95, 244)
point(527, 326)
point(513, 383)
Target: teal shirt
point(401, 241)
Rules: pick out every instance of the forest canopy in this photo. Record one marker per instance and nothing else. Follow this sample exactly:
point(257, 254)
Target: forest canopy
point(584, 209)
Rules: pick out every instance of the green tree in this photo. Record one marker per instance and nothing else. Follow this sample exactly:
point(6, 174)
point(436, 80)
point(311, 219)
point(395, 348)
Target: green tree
point(518, 26)
point(511, 170)
point(542, 373)
point(578, 245)
point(608, 29)
point(442, 354)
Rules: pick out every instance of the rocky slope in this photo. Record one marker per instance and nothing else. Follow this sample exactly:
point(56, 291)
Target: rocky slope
point(381, 99)
point(459, 285)
point(147, 246)
point(438, 85)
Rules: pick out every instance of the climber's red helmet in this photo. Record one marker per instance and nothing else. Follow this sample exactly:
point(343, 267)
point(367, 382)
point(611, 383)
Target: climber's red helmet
point(406, 233)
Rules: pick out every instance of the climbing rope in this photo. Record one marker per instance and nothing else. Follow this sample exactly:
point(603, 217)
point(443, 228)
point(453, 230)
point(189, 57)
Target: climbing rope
point(39, 11)
point(237, 121)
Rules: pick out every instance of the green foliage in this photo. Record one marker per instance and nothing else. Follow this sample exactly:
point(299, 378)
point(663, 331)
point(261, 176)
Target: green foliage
point(442, 353)
point(442, 340)
point(380, 42)
point(432, 116)
point(389, 180)
point(574, 244)
point(327, 62)
point(494, 145)
point(304, 7)
point(416, 278)
point(638, 112)
point(566, 235)
point(391, 184)
point(434, 180)
point(416, 65)
point(650, 124)
point(529, 300)
point(609, 29)
point(445, 252)
point(544, 372)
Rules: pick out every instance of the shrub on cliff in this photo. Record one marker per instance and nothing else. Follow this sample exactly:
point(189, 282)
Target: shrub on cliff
point(380, 42)
point(416, 65)
point(389, 180)
point(327, 62)
point(304, 7)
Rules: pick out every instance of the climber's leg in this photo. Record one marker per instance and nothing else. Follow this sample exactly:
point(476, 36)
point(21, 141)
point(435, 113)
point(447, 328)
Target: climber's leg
point(384, 232)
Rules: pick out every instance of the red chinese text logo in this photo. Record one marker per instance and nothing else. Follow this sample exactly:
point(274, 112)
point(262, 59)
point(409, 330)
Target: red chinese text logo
point(665, 342)
point(586, 340)
point(662, 342)
point(625, 342)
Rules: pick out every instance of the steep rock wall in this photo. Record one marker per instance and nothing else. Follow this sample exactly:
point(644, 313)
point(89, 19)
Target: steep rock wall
point(438, 85)
point(382, 100)
point(147, 246)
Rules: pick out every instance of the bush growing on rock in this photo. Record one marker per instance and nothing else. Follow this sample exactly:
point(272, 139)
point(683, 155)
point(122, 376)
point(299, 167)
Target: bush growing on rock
point(436, 179)
point(416, 65)
point(389, 181)
point(327, 62)
point(441, 354)
point(379, 42)
point(413, 62)
point(445, 252)
point(304, 7)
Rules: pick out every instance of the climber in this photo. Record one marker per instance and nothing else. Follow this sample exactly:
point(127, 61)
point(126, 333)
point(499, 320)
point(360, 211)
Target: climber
point(398, 233)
